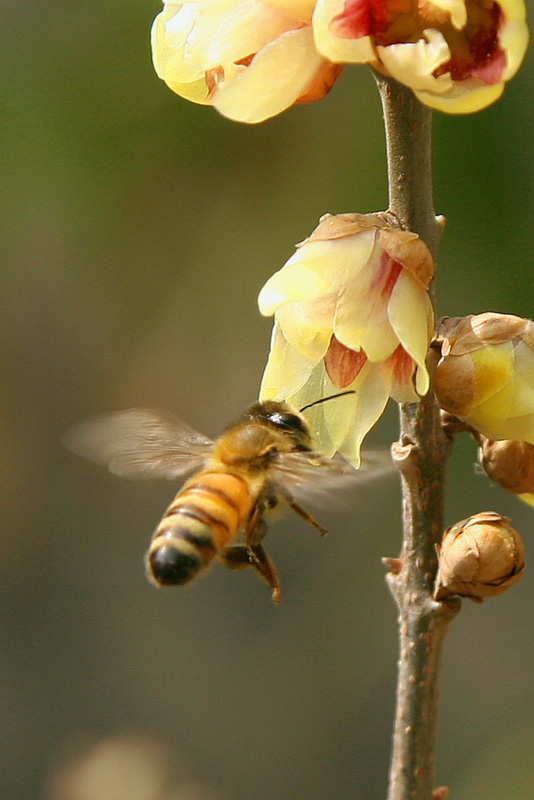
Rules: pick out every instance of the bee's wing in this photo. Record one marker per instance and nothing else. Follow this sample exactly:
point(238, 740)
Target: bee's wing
point(313, 477)
point(138, 443)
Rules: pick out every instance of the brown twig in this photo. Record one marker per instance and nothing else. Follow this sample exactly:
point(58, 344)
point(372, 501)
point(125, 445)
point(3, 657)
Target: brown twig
point(421, 455)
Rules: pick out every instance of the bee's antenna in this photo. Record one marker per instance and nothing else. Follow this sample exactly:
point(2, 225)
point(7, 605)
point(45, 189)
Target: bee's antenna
point(324, 399)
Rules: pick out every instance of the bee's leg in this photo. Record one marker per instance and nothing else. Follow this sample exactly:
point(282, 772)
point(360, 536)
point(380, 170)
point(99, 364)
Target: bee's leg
point(253, 554)
point(303, 514)
point(263, 564)
point(254, 532)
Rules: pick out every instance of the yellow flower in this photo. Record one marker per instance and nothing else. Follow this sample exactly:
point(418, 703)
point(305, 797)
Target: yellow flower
point(250, 59)
point(486, 374)
point(351, 311)
point(456, 55)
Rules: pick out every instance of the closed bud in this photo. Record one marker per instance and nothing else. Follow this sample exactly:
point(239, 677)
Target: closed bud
point(485, 376)
point(479, 557)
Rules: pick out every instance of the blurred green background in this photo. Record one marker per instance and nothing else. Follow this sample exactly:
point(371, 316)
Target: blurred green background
point(137, 230)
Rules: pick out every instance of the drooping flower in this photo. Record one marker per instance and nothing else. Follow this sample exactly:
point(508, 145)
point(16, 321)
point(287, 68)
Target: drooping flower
point(456, 55)
point(351, 312)
point(250, 59)
point(486, 374)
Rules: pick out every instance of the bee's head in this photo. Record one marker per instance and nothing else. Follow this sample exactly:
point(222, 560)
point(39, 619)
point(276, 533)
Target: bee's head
point(283, 418)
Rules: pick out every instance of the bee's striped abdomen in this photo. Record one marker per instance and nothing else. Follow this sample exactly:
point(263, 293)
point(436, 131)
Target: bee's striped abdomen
point(201, 519)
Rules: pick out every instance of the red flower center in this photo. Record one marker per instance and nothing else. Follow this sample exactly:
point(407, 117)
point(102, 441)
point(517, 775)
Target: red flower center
point(475, 50)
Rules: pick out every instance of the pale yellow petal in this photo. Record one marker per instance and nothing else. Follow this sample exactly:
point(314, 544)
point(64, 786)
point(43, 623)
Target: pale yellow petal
point(307, 326)
point(422, 380)
point(409, 310)
point(523, 380)
point(490, 416)
point(456, 9)
point(277, 76)
point(350, 421)
point(466, 97)
point(287, 370)
point(339, 48)
point(414, 63)
point(361, 319)
point(226, 33)
point(318, 385)
point(519, 428)
point(494, 366)
point(298, 280)
point(297, 9)
point(514, 36)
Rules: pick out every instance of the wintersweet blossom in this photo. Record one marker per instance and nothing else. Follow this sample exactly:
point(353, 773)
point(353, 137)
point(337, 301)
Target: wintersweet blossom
point(486, 374)
point(456, 55)
point(351, 311)
point(250, 59)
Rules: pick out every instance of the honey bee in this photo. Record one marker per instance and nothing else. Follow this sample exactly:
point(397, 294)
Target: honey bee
point(264, 459)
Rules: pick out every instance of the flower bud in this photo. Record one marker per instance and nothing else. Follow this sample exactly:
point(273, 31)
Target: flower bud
point(486, 374)
point(510, 464)
point(479, 557)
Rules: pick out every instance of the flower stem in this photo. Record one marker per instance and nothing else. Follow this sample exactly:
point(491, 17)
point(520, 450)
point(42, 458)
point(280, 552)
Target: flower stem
point(421, 455)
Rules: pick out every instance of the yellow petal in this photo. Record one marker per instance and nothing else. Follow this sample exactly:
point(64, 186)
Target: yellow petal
point(414, 63)
point(298, 280)
point(287, 370)
point(494, 366)
point(277, 76)
point(350, 422)
point(409, 312)
point(466, 97)
point(490, 417)
point(523, 380)
point(361, 318)
point(301, 10)
point(307, 326)
point(513, 37)
point(224, 33)
point(456, 9)
point(527, 498)
point(338, 48)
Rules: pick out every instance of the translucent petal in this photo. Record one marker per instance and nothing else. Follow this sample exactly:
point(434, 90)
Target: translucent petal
point(316, 387)
point(339, 48)
point(277, 76)
point(409, 309)
point(286, 371)
point(413, 63)
point(307, 326)
point(349, 422)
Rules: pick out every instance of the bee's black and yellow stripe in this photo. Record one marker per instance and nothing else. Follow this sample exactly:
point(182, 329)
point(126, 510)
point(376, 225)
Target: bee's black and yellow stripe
point(200, 521)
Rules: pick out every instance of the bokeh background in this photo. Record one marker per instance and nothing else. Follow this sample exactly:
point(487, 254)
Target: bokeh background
point(136, 232)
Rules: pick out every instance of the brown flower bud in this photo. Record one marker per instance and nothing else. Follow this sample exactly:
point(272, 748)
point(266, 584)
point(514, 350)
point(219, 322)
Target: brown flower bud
point(479, 557)
point(508, 463)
